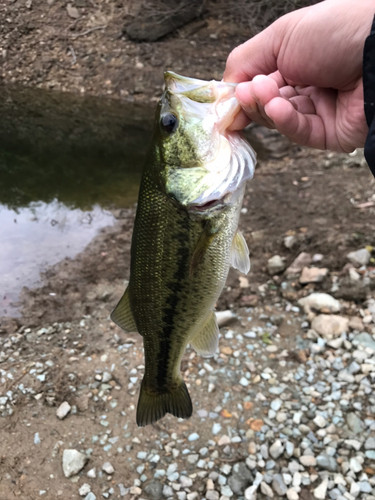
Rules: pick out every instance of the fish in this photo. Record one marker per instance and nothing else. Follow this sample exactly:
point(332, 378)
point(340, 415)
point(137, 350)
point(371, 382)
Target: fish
point(185, 236)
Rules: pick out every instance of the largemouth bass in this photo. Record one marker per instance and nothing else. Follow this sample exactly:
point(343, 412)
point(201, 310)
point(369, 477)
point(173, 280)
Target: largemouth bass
point(185, 236)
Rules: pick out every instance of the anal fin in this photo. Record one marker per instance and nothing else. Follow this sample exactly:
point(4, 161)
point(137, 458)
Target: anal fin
point(122, 315)
point(239, 255)
point(206, 342)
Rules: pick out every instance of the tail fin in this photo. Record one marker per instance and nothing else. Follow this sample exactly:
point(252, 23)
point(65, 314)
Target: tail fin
point(153, 407)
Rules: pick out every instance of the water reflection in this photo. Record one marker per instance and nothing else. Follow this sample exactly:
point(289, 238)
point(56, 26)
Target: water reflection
point(63, 161)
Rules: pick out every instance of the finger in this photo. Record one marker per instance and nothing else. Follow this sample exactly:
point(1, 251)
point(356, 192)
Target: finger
point(250, 106)
point(240, 121)
point(303, 104)
point(302, 129)
point(288, 92)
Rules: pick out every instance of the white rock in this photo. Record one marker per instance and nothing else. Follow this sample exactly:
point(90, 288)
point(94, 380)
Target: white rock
point(276, 265)
point(63, 410)
point(359, 257)
point(321, 491)
point(84, 489)
point(92, 473)
point(225, 317)
point(108, 468)
point(330, 326)
point(307, 460)
point(318, 301)
point(266, 490)
point(320, 421)
point(276, 450)
point(292, 494)
point(73, 462)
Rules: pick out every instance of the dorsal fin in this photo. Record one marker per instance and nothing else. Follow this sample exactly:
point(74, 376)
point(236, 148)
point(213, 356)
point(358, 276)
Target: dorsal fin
point(239, 254)
point(206, 342)
point(122, 315)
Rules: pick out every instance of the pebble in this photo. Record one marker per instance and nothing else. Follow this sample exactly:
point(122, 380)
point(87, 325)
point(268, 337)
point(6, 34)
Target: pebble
point(63, 410)
point(92, 473)
point(73, 462)
point(90, 496)
point(320, 491)
point(193, 437)
point(277, 449)
point(37, 438)
point(225, 317)
point(312, 275)
point(308, 461)
point(216, 428)
point(276, 265)
point(354, 423)
point(278, 485)
point(266, 490)
point(370, 443)
point(108, 468)
point(84, 489)
point(224, 440)
point(359, 257)
point(320, 421)
point(326, 462)
point(244, 381)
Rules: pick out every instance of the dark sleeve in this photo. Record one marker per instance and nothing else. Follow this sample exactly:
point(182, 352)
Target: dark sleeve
point(369, 95)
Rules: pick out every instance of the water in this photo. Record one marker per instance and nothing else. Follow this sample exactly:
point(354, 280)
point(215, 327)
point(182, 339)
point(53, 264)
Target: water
point(65, 162)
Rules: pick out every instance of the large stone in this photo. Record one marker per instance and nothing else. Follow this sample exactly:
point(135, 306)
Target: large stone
point(303, 260)
point(330, 326)
point(276, 265)
point(359, 257)
point(240, 479)
point(73, 462)
point(319, 301)
point(312, 275)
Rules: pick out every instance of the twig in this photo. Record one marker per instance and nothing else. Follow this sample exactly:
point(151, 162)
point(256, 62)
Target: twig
point(88, 31)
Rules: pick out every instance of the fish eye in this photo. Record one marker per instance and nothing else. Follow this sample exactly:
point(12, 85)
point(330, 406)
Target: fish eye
point(169, 123)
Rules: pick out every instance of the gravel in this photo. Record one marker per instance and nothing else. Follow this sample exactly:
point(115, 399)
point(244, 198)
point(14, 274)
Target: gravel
point(275, 415)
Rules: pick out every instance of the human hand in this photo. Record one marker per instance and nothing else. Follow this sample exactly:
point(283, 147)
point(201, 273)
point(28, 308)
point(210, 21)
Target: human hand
point(303, 75)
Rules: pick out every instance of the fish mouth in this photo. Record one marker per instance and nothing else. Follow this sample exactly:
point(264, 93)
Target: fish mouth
point(209, 206)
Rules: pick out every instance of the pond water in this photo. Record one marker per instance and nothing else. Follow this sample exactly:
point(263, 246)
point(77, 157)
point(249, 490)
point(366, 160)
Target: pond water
point(65, 161)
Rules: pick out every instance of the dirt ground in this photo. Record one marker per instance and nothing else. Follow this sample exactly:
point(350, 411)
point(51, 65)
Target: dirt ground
point(64, 342)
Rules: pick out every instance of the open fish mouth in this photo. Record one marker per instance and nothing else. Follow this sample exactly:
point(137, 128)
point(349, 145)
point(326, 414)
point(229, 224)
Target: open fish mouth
point(225, 159)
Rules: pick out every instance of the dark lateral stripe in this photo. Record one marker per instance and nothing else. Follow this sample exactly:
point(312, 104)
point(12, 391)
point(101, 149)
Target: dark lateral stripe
point(172, 301)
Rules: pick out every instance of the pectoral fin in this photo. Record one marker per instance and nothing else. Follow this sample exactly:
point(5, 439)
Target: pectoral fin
point(207, 340)
point(205, 239)
point(239, 255)
point(122, 315)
